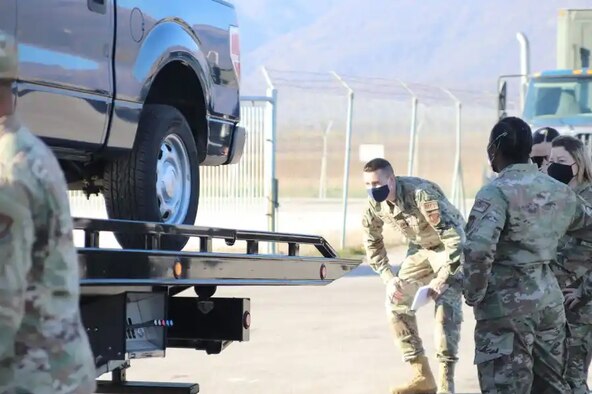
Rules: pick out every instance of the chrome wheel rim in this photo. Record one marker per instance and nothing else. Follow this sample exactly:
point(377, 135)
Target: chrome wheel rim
point(173, 180)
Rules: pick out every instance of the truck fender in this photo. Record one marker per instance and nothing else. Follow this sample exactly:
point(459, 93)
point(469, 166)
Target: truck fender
point(170, 41)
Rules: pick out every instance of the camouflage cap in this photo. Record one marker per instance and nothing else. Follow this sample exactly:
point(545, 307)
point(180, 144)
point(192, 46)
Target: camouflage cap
point(8, 57)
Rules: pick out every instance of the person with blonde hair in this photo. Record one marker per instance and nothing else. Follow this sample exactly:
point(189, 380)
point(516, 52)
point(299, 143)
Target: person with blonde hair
point(570, 163)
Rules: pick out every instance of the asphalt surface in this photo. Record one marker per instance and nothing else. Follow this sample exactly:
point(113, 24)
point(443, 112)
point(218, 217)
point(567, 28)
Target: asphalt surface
point(311, 340)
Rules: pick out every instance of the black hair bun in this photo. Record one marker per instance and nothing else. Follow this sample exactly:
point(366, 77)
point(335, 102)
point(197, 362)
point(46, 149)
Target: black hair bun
point(515, 138)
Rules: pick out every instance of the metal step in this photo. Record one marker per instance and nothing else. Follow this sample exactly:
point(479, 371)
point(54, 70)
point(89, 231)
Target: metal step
point(108, 387)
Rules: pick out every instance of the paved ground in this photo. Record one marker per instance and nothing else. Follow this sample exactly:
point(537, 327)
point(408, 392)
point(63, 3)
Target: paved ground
point(310, 340)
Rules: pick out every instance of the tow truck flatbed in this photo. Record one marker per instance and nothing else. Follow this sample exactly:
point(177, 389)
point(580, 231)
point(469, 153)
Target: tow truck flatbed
point(138, 290)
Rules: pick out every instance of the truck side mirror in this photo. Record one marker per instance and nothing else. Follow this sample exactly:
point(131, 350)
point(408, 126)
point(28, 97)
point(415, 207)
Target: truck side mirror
point(585, 57)
point(501, 100)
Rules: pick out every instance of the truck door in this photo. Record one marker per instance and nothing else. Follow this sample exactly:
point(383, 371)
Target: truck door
point(65, 85)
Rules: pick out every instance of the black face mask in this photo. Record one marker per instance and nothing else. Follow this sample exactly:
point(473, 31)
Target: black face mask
point(562, 172)
point(379, 194)
point(538, 160)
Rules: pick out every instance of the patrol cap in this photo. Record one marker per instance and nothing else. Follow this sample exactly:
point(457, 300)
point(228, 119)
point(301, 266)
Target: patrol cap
point(8, 57)
point(544, 134)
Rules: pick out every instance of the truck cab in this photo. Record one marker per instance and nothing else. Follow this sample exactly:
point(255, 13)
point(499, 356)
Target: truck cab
point(561, 99)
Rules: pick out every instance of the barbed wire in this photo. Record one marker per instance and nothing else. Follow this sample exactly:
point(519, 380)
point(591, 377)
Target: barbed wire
point(382, 88)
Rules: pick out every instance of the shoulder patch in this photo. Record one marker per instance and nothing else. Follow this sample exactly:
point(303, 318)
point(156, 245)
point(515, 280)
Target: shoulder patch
point(5, 225)
point(481, 206)
point(430, 205)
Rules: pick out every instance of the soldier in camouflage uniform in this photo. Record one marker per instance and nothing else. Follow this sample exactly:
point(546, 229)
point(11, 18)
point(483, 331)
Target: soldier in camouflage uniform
point(570, 164)
point(434, 228)
point(43, 345)
point(512, 235)
point(541, 146)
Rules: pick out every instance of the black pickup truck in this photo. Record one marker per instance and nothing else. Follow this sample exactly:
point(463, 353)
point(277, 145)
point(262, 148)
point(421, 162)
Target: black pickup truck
point(133, 96)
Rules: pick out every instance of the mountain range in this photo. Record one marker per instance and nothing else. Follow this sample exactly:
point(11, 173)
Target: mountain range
point(456, 43)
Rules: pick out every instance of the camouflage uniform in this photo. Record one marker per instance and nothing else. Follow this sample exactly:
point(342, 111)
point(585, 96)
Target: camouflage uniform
point(512, 235)
point(574, 256)
point(43, 345)
point(434, 228)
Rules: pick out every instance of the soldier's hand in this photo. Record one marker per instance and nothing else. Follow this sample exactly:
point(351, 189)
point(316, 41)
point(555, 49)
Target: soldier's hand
point(437, 288)
point(572, 297)
point(394, 289)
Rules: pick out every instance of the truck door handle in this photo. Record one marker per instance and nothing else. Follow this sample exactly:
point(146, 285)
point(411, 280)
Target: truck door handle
point(98, 6)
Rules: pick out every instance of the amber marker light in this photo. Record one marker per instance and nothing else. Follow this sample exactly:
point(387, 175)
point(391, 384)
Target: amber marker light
point(177, 269)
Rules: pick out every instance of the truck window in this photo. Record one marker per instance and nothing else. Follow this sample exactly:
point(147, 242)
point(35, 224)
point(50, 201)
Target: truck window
point(558, 97)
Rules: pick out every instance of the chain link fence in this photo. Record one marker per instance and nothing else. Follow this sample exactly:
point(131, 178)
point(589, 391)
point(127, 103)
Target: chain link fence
point(312, 117)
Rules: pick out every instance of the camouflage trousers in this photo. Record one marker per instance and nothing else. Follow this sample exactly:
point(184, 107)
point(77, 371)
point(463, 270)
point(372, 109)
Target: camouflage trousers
point(418, 270)
point(579, 348)
point(522, 354)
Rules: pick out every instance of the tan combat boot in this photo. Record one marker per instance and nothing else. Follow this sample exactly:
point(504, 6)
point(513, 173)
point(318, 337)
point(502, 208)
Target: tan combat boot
point(446, 378)
point(422, 381)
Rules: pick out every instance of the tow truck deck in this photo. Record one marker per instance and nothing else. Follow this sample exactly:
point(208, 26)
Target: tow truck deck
point(139, 290)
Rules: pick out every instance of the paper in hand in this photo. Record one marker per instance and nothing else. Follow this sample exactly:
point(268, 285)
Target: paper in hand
point(422, 297)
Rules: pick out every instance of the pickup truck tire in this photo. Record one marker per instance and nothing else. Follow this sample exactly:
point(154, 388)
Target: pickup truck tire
point(158, 181)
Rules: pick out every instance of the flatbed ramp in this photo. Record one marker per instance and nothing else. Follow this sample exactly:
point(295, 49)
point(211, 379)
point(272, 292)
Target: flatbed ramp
point(130, 304)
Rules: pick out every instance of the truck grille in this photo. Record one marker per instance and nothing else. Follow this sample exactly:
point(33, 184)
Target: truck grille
point(586, 139)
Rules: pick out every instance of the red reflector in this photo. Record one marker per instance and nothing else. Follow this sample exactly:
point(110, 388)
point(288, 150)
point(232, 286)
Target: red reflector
point(235, 44)
point(323, 272)
point(247, 320)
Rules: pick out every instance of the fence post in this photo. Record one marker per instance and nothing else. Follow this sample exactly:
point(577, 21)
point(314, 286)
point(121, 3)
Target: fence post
point(458, 188)
point(412, 137)
point(271, 182)
point(323, 180)
point(348, 135)
point(412, 129)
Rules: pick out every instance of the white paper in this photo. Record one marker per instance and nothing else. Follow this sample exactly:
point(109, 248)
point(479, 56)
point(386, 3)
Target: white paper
point(422, 297)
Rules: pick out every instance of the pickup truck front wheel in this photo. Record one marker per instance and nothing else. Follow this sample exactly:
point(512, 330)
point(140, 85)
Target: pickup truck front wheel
point(158, 180)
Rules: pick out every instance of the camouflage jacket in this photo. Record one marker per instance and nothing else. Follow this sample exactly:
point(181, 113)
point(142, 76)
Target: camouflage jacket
point(574, 253)
point(512, 235)
point(585, 287)
point(426, 218)
point(43, 345)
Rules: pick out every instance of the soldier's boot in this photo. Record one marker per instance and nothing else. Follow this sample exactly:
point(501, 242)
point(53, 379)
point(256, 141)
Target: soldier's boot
point(446, 378)
point(422, 381)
